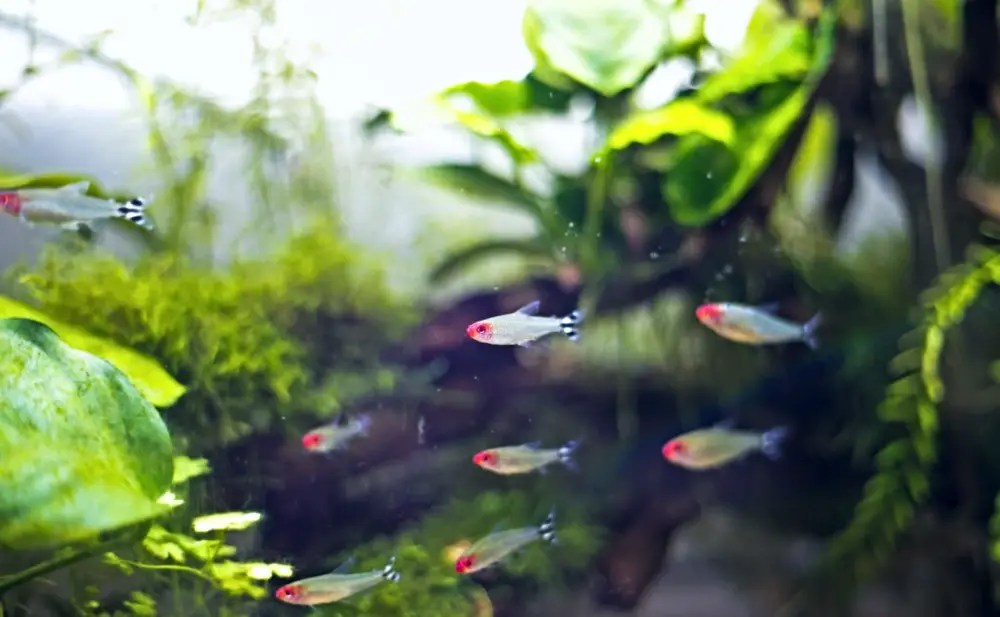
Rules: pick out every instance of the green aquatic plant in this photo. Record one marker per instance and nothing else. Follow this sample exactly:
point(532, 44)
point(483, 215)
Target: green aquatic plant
point(145, 373)
point(903, 466)
point(84, 452)
point(426, 559)
point(253, 342)
point(193, 574)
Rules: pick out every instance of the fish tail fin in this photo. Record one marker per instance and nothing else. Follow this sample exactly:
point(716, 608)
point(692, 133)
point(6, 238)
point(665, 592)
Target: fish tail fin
point(547, 530)
point(570, 324)
point(389, 571)
point(565, 454)
point(134, 211)
point(772, 440)
point(809, 331)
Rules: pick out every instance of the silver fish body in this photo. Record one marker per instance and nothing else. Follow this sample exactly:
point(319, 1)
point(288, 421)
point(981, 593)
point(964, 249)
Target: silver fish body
point(757, 326)
point(524, 327)
point(498, 545)
point(334, 587)
point(526, 458)
point(70, 207)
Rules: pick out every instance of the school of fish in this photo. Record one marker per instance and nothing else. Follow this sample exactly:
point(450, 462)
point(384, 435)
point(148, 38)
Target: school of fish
point(698, 450)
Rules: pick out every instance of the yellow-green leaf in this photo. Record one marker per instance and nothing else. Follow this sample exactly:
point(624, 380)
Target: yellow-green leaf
point(677, 118)
point(145, 373)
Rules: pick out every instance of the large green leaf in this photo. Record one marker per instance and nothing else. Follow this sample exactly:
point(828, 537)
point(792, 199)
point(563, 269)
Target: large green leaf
point(782, 53)
point(83, 452)
point(607, 45)
point(465, 258)
point(503, 98)
point(707, 179)
point(680, 117)
point(148, 376)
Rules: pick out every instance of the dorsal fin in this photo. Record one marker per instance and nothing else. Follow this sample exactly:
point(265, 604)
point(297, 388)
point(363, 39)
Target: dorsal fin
point(769, 307)
point(530, 308)
point(345, 567)
point(728, 424)
point(533, 445)
point(78, 188)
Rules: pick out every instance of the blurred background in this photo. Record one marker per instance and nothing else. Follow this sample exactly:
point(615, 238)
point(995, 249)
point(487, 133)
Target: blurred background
point(338, 191)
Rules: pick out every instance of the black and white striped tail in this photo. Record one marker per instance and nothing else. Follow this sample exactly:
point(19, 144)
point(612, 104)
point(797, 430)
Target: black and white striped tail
point(134, 211)
point(389, 571)
point(547, 530)
point(570, 324)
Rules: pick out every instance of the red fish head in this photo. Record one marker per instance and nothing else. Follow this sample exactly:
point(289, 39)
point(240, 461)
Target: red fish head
point(480, 331)
point(709, 314)
point(290, 593)
point(464, 563)
point(10, 203)
point(485, 459)
point(311, 441)
point(675, 449)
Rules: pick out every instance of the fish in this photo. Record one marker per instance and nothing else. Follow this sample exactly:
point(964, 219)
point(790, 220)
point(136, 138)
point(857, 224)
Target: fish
point(70, 207)
point(525, 458)
point(716, 446)
point(756, 325)
point(337, 434)
point(336, 585)
point(492, 549)
point(524, 327)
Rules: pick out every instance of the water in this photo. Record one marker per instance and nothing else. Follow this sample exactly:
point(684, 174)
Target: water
point(279, 382)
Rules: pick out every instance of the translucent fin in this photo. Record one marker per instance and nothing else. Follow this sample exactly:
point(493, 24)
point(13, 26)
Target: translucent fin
point(345, 567)
point(77, 188)
point(771, 442)
point(530, 308)
point(809, 331)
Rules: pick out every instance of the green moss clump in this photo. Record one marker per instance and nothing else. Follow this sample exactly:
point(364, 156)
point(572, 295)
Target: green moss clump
point(429, 583)
point(254, 343)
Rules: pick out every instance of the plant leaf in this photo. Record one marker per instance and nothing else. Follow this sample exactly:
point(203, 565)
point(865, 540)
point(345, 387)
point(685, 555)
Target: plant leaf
point(83, 452)
point(782, 53)
point(606, 45)
point(475, 182)
point(680, 117)
point(145, 373)
point(464, 258)
point(503, 98)
point(707, 180)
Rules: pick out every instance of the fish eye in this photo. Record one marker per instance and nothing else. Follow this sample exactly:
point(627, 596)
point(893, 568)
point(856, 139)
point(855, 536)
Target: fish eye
point(311, 440)
point(481, 329)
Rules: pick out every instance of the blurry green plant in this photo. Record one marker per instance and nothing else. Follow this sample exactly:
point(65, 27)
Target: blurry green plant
point(254, 343)
point(192, 576)
point(683, 164)
point(429, 583)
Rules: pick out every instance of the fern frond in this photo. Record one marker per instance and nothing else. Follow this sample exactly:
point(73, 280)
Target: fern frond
point(901, 482)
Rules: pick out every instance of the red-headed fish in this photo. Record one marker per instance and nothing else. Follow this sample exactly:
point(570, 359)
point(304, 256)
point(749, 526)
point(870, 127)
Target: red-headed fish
point(498, 545)
point(524, 327)
point(713, 447)
point(70, 207)
point(337, 434)
point(525, 458)
point(755, 325)
point(335, 586)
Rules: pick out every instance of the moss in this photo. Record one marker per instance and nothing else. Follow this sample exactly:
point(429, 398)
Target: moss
point(254, 343)
point(429, 585)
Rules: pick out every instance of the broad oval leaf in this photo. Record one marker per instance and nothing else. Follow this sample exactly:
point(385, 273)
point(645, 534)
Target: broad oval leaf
point(692, 201)
point(607, 45)
point(681, 117)
point(785, 53)
point(503, 98)
point(145, 373)
point(83, 452)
